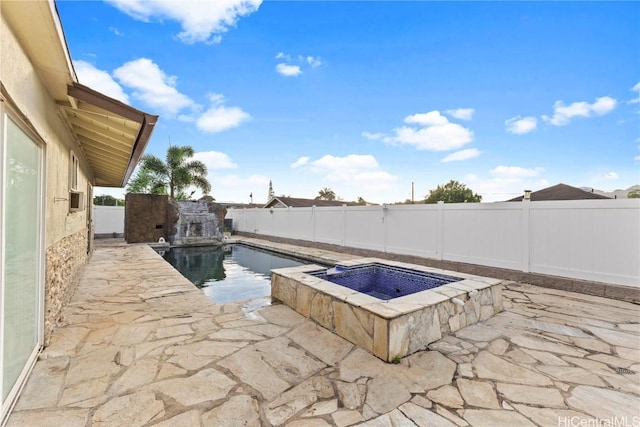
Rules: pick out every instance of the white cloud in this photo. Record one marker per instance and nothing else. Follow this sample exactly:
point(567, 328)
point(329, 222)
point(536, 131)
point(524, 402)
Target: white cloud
point(152, 86)
point(562, 114)
point(201, 20)
point(220, 117)
point(288, 69)
point(506, 182)
point(469, 153)
point(300, 162)
point(373, 136)
point(521, 125)
point(461, 113)
point(603, 105)
point(314, 61)
point(293, 66)
point(115, 31)
point(511, 172)
point(636, 100)
point(238, 181)
point(432, 118)
point(237, 188)
point(215, 160)
point(608, 176)
point(361, 171)
point(432, 131)
point(99, 80)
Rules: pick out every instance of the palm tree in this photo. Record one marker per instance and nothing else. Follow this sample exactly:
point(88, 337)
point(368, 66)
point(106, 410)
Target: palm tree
point(178, 173)
point(326, 194)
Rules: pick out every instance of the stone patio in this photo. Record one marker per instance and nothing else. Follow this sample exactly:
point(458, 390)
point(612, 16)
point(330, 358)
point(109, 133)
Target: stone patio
point(140, 346)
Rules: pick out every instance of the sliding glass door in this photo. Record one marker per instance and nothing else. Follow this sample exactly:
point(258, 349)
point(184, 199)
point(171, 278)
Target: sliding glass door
point(21, 256)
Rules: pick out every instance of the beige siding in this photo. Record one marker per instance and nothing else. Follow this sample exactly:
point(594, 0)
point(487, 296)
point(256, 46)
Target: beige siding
point(32, 100)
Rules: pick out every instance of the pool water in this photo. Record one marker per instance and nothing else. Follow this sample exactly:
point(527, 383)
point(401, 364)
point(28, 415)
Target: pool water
point(384, 281)
point(231, 273)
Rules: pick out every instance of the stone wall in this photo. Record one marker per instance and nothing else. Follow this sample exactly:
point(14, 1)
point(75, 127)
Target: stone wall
point(65, 259)
point(198, 223)
point(148, 217)
point(145, 218)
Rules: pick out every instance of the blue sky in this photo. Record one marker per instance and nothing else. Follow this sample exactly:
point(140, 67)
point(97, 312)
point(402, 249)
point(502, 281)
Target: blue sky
point(367, 97)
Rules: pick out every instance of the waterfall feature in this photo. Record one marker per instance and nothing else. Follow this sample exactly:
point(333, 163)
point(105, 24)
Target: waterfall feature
point(199, 223)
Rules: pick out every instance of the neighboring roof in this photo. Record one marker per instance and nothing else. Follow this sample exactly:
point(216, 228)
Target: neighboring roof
point(111, 134)
point(560, 192)
point(294, 202)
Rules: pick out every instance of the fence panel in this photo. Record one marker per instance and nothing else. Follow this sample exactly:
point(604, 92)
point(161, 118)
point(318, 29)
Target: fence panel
point(587, 239)
point(413, 230)
point(365, 227)
point(108, 219)
point(485, 234)
point(591, 239)
point(329, 224)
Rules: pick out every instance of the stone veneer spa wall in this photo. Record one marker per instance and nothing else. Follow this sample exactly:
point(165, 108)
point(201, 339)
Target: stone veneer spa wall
point(393, 328)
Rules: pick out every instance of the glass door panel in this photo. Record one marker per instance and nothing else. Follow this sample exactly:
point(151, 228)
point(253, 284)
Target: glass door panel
point(22, 259)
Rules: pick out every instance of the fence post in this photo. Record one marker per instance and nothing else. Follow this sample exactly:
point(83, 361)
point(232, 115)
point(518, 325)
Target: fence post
point(313, 218)
point(344, 225)
point(440, 229)
point(385, 211)
point(526, 237)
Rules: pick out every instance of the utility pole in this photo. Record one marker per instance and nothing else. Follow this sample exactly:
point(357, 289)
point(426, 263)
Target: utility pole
point(412, 192)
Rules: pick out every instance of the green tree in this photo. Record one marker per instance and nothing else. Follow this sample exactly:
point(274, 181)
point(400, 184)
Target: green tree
point(634, 194)
point(105, 200)
point(178, 173)
point(145, 182)
point(452, 192)
point(326, 194)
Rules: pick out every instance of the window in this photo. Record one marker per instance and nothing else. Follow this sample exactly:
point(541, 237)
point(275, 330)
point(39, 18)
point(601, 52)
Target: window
point(73, 173)
point(76, 201)
point(76, 198)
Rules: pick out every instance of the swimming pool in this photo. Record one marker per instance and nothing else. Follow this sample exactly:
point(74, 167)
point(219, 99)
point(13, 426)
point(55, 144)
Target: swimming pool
point(230, 273)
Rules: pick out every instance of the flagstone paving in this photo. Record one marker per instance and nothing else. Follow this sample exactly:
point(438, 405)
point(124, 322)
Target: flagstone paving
point(140, 346)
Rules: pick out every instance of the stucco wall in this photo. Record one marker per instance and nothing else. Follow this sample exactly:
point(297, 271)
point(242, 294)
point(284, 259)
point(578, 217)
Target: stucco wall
point(65, 243)
point(34, 102)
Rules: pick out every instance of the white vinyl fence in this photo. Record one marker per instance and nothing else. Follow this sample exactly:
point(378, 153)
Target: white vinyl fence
point(108, 220)
point(595, 240)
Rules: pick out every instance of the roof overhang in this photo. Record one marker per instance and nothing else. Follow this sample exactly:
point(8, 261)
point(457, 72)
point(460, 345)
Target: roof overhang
point(111, 135)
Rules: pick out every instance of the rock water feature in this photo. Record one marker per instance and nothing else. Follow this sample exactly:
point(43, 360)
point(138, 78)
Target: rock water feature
point(198, 223)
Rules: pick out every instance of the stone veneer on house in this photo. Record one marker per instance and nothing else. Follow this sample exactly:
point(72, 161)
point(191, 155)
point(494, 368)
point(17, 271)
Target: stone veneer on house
point(394, 328)
point(65, 259)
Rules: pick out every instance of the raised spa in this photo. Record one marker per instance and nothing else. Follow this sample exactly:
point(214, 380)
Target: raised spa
point(383, 281)
point(389, 308)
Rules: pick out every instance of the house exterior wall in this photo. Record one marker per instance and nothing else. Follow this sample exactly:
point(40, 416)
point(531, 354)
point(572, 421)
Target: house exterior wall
point(65, 232)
